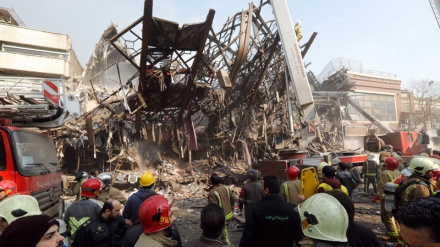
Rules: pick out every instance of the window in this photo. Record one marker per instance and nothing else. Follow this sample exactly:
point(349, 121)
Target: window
point(35, 153)
point(380, 106)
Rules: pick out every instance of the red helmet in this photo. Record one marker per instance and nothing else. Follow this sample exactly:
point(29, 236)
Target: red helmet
point(153, 214)
point(391, 163)
point(292, 173)
point(90, 188)
point(9, 187)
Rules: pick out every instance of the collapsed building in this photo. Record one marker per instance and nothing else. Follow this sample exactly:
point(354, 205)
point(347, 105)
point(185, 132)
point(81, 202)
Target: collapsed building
point(157, 94)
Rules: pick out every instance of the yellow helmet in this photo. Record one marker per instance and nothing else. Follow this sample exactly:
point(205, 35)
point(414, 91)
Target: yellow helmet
point(146, 179)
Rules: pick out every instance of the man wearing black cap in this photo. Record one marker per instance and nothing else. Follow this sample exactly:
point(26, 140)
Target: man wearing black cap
point(39, 230)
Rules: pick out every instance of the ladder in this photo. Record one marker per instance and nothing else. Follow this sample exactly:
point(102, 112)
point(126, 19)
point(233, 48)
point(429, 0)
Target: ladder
point(435, 6)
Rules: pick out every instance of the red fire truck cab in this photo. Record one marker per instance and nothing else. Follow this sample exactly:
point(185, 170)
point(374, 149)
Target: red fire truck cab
point(30, 160)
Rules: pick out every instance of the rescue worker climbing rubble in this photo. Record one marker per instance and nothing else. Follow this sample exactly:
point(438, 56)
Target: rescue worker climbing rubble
point(290, 189)
point(108, 191)
point(389, 174)
point(222, 196)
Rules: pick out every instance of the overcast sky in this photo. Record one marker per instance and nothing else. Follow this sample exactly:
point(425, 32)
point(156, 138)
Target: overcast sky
point(396, 36)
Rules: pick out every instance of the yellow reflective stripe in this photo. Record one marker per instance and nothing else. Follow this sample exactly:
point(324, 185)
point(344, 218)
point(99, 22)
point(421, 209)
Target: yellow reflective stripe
point(286, 192)
point(218, 198)
point(76, 224)
point(229, 216)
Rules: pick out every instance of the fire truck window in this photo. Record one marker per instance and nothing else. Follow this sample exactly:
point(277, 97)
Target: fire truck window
point(2, 155)
point(409, 138)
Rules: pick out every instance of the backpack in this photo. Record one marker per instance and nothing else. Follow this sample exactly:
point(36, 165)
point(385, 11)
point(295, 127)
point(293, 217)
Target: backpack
point(401, 190)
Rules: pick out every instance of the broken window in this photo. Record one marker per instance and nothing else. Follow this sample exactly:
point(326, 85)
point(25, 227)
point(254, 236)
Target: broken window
point(382, 107)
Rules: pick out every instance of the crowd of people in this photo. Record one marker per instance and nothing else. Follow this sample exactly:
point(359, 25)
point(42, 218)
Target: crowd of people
point(276, 212)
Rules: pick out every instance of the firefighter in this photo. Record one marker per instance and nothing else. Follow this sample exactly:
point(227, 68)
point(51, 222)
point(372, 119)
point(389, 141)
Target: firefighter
point(323, 227)
point(15, 207)
point(251, 192)
point(387, 151)
point(87, 208)
point(298, 31)
point(156, 218)
point(130, 213)
point(419, 184)
point(370, 169)
point(80, 178)
point(222, 196)
point(108, 191)
point(289, 190)
point(7, 188)
point(389, 174)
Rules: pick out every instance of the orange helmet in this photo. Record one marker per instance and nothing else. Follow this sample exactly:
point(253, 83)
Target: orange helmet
point(391, 163)
point(153, 214)
point(292, 173)
point(90, 188)
point(9, 187)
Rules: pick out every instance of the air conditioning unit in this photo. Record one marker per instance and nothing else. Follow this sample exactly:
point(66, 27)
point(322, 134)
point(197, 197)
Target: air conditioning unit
point(404, 126)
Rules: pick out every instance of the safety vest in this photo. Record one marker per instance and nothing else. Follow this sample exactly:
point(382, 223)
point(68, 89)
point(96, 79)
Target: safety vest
point(328, 187)
point(231, 214)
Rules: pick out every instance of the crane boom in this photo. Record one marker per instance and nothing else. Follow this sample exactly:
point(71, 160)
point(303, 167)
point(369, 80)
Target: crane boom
point(297, 71)
point(435, 6)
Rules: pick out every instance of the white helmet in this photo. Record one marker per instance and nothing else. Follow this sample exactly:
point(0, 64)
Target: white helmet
point(320, 166)
point(420, 165)
point(18, 206)
point(323, 218)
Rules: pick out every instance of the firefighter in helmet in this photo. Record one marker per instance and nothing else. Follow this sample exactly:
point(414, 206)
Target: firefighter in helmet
point(289, 190)
point(86, 208)
point(419, 184)
point(323, 227)
point(389, 174)
point(7, 188)
point(108, 191)
point(156, 217)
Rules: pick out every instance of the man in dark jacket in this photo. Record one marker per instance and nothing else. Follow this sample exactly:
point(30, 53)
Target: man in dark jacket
point(251, 192)
point(345, 177)
point(273, 221)
point(133, 233)
point(106, 230)
point(131, 209)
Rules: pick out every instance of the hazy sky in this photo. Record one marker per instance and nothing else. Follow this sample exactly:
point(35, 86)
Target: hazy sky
point(396, 36)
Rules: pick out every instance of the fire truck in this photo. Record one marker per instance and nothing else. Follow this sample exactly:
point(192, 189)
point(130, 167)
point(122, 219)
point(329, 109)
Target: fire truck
point(35, 67)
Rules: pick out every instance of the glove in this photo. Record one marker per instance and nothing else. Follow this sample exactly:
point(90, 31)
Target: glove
point(376, 199)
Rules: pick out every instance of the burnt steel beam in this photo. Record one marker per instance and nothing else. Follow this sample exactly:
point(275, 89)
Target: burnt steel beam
point(308, 44)
point(195, 65)
point(128, 29)
point(146, 25)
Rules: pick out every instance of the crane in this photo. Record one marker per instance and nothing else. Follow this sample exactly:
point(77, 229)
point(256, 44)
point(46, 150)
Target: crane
point(435, 6)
